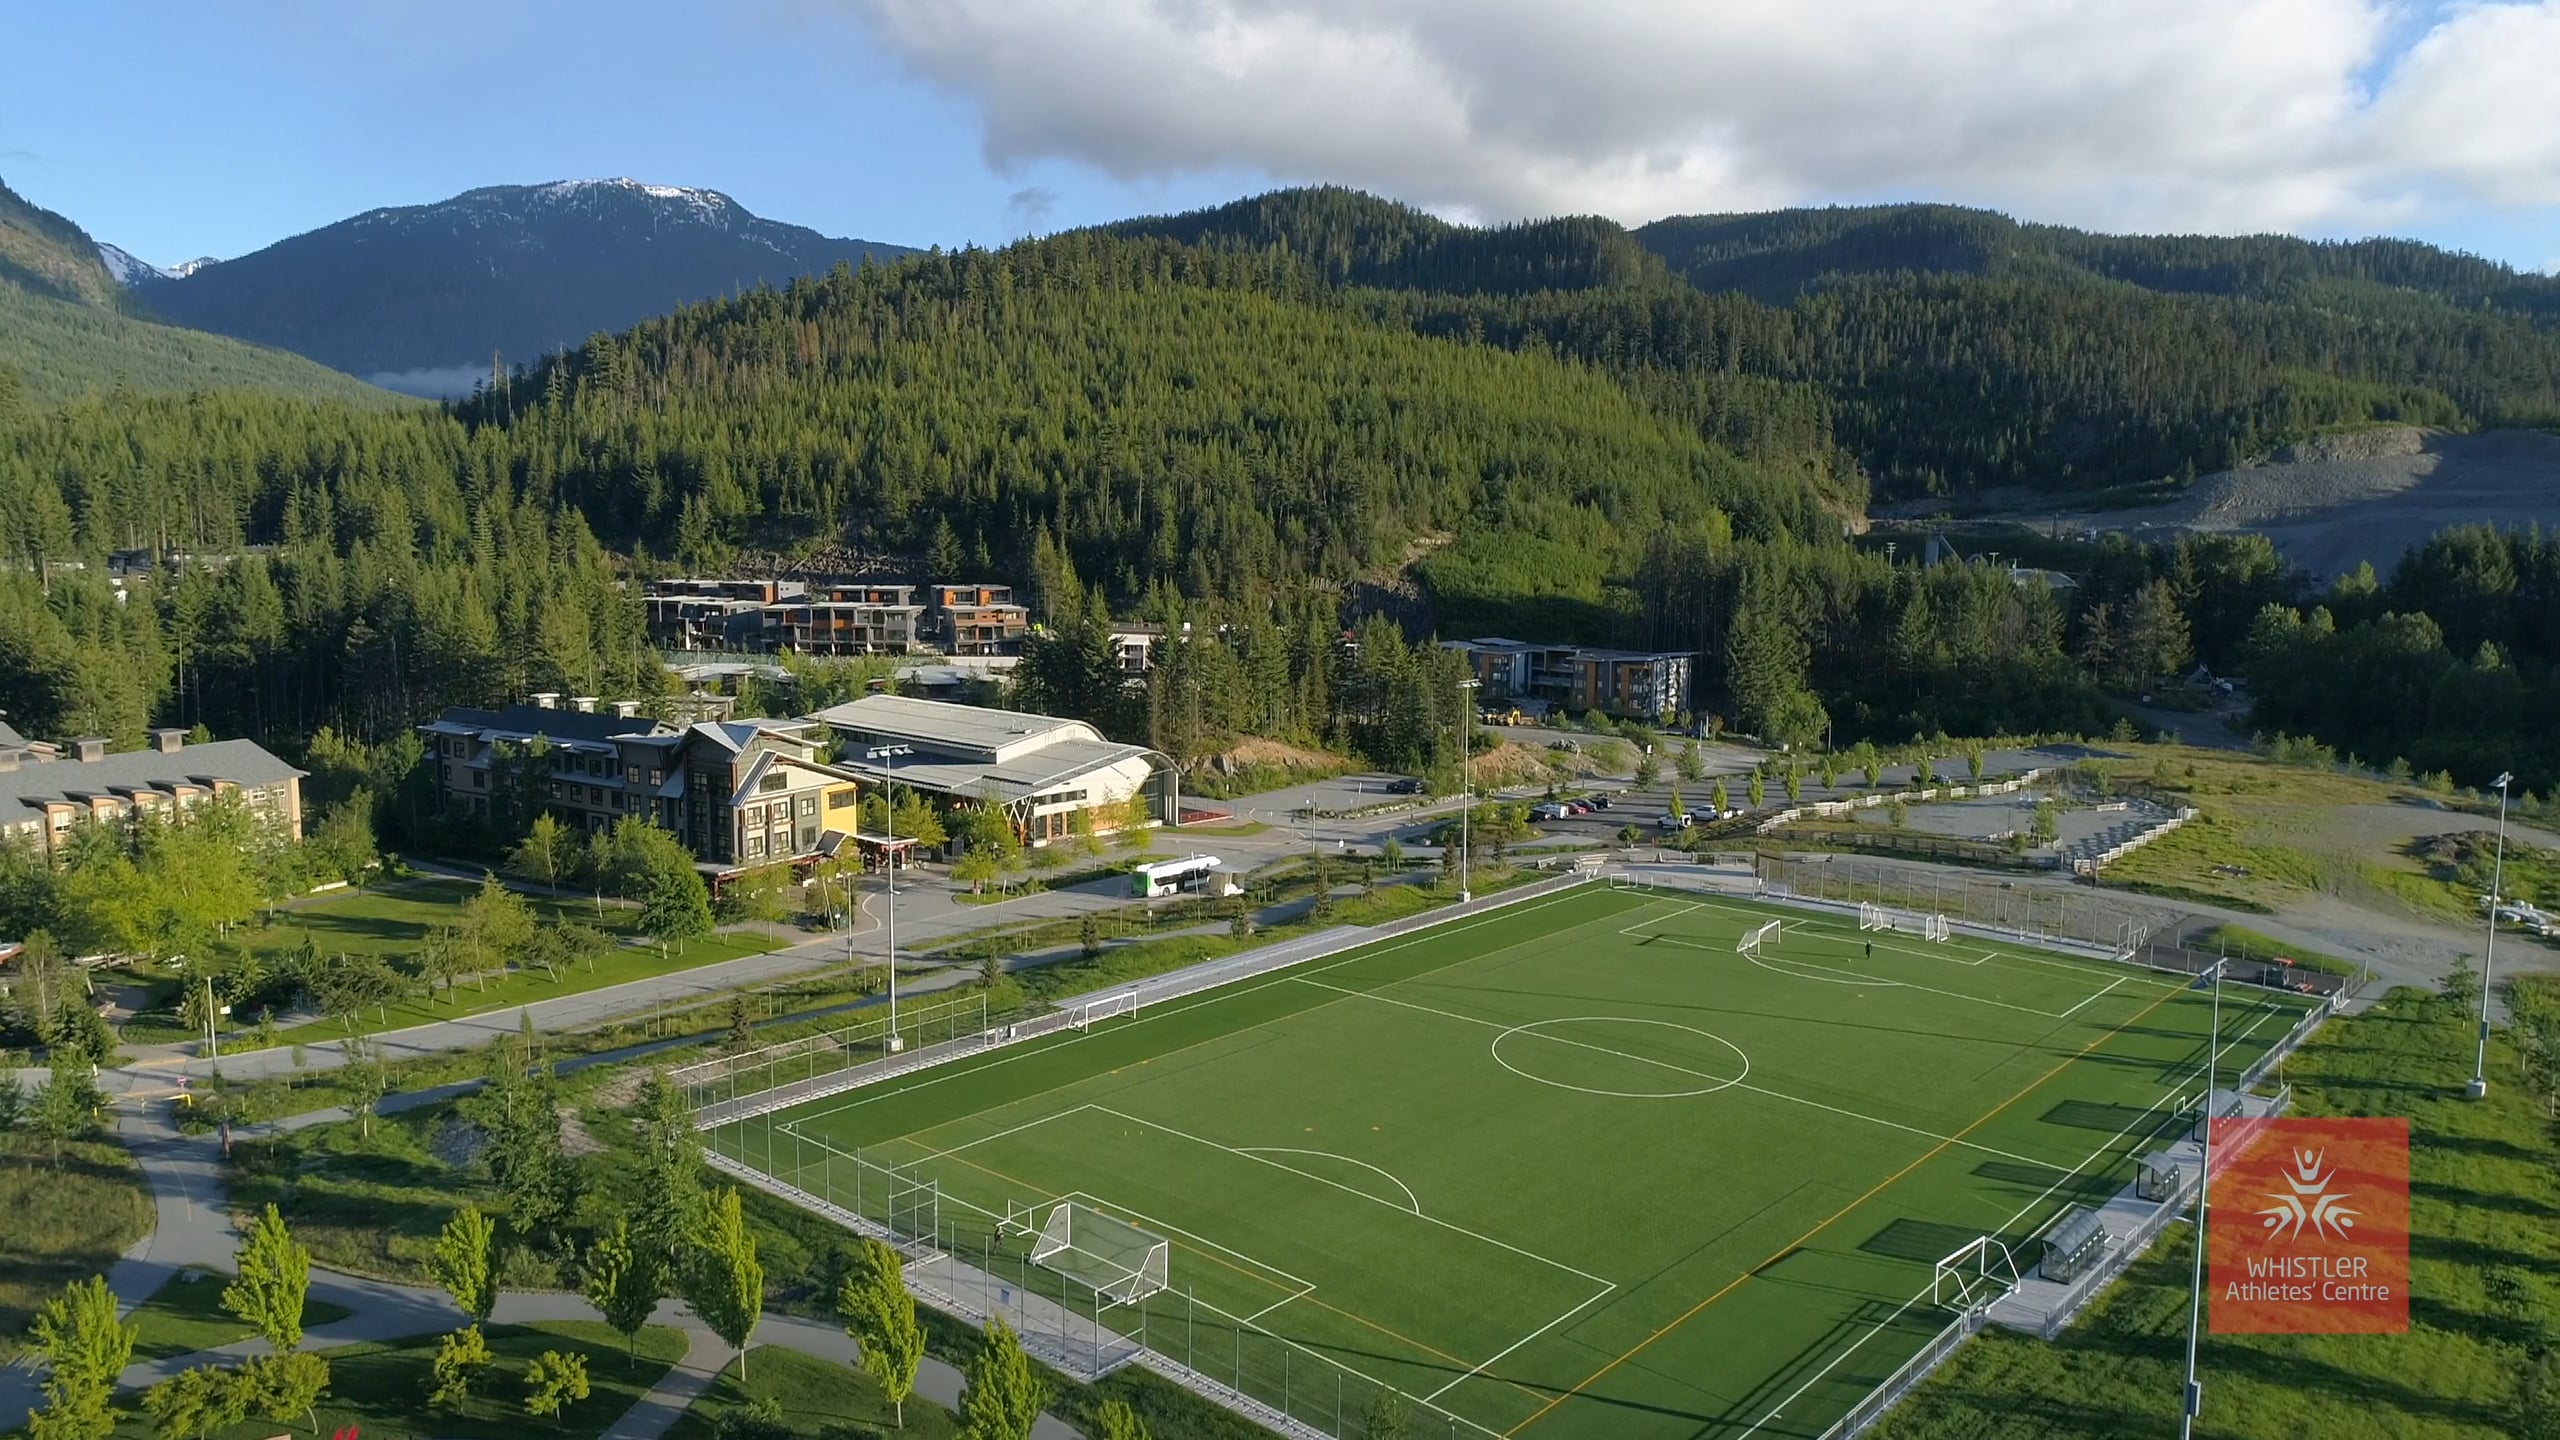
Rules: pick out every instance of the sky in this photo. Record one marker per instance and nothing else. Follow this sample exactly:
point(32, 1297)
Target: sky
point(217, 127)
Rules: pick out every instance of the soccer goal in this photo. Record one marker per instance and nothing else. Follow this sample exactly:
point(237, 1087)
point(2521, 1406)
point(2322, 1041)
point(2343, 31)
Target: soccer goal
point(1754, 940)
point(1874, 917)
point(1084, 1016)
point(1122, 1263)
point(1935, 927)
point(1621, 880)
point(1975, 1273)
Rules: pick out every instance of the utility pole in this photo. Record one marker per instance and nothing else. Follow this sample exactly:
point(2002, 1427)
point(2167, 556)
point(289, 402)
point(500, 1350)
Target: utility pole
point(2479, 1086)
point(2204, 1185)
point(887, 757)
point(1466, 780)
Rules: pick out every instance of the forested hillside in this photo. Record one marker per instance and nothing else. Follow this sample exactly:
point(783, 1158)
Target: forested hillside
point(1953, 350)
point(1219, 433)
point(67, 328)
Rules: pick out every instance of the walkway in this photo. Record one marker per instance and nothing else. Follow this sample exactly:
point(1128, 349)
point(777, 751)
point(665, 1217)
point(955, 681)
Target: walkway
point(192, 1230)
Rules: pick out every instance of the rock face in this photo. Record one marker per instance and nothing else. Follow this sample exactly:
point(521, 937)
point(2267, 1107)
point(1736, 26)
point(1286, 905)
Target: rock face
point(2378, 443)
point(421, 298)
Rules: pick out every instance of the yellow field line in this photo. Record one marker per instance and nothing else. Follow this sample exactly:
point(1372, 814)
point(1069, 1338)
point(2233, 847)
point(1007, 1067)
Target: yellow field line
point(1827, 1221)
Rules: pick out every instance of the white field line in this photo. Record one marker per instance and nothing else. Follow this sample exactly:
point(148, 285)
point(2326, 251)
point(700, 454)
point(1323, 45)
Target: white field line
point(1498, 1356)
point(1276, 1304)
point(1684, 1070)
point(1831, 928)
point(2172, 1092)
point(1033, 1124)
point(1412, 1201)
point(1450, 1226)
point(2092, 1000)
point(1794, 969)
point(1219, 993)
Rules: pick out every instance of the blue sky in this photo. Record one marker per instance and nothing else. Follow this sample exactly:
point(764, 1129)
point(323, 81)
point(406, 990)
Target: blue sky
point(177, 130)
point(217, 127)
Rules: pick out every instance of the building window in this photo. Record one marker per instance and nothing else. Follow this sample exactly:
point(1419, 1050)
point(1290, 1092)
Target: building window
point(808, 806)
point(755, 845)
point(840, 799)
point(773, 782)
point(657, 777)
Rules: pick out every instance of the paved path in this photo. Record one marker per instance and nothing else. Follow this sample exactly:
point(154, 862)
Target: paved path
point(192, 1230)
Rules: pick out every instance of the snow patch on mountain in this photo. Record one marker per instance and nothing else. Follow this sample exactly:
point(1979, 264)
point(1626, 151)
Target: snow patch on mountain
point(130, 270)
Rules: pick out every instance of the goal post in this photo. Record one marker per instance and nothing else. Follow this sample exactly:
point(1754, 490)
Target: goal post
point(1874, 917)
point(1975, 1273)
point(1758, 937)
point(1122, 1263)
point(1091, 1012)
point(1936, 927)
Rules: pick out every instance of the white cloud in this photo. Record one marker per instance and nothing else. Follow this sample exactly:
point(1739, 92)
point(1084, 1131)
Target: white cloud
point(2157, 114)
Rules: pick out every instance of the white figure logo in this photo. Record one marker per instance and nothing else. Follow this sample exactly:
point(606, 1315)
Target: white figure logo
point(2308, 1205)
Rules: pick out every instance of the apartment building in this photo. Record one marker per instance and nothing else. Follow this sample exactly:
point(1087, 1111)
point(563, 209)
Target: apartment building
point(1648, 685)
point(979, 619)
point(737, 793)
point(48, 790)
point(712, 614)
point(845, 620)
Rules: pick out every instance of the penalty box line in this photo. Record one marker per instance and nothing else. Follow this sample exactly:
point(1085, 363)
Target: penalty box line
point(1825, 1223)
point(1606, 1288)
point(1696, 1074)
point(1856, 977)
point(1833, 927)
point(2105, 1148)
point(1306, 1294)
point(2174, 1090)
point(1218, 994)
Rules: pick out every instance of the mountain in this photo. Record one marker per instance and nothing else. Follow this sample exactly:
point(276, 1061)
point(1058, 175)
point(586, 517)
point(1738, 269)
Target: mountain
point(69, 326)
point(420, 297)
point(129, 269)
point(43, 253)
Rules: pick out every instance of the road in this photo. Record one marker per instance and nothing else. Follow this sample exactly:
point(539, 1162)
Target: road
point(931, 908)
point(192, 1230)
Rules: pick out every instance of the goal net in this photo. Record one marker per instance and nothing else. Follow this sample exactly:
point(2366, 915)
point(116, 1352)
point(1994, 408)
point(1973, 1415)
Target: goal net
point(1977, 1272)
point(1084, 1016)
point(1874, 917)
point(1935, 927)
point(1755, 939)
point(1122, 1263)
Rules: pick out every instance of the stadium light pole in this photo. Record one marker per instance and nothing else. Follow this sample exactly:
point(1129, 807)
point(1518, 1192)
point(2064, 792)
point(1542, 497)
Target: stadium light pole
point(2204, 1186)
point(1466, 781)
point(2479, 1086)
point(887, 757)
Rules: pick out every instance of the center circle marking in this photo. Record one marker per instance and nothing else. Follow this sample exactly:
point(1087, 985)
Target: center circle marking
point(1537, 1027)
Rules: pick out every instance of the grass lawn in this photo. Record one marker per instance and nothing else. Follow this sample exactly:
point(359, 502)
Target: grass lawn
point(2485, 1257)
point(2243, 943)
point(372, 1206)
point(394, 923)
point(817, 1397)
point(380, 1389)
point(1576, 1168)
point(61, 1225)
point(186, 1315)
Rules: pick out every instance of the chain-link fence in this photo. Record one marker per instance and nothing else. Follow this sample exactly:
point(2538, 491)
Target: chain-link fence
point(975, 1261)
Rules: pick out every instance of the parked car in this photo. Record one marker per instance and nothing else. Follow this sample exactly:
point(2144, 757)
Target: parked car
point(1673, 822)
point(1599, 802)
point(1404, 785)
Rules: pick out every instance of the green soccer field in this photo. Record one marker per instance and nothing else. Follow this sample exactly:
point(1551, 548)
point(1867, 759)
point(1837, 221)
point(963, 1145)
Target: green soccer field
point(1574, 1168)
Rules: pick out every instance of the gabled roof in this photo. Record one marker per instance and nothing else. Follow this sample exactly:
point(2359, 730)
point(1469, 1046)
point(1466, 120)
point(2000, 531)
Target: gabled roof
point(531, 720)
point(239, 762)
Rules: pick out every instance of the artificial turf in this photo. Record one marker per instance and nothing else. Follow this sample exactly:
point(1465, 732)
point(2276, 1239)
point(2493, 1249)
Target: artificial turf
point(1571, 1168)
